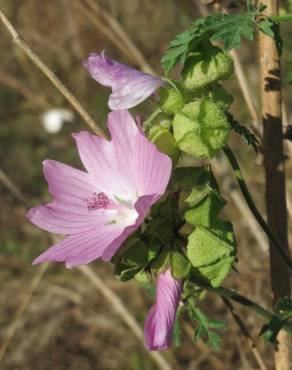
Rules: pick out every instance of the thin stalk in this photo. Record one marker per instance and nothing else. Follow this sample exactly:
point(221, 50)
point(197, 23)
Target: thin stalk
point(256, 308)
point(246, 194)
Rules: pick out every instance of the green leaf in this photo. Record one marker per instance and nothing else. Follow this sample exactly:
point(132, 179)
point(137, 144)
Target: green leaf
point(201, 128)
point(206, 246)
point(212, 258)
point(230, 28)
point(177, 50)
point(227, 28)
point(215, 273)
point(266, 26)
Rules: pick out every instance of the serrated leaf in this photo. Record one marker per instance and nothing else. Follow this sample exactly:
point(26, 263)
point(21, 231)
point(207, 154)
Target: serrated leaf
point(230, 28)
point(177, 50)
point(243, 131)
point(266, 26)
point(204, 325)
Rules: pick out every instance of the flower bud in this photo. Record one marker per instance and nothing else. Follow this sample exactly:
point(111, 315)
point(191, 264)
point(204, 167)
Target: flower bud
point(201, 128)
point(206, 66)
point(165, 142)
point(171, 100)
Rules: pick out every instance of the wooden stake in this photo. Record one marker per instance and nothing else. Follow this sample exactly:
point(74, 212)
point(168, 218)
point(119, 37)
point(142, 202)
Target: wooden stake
point(274, 170)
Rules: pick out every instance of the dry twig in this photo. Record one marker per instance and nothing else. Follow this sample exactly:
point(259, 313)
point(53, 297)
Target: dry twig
point(245, 334)
point(11, 330)
point(50, 75)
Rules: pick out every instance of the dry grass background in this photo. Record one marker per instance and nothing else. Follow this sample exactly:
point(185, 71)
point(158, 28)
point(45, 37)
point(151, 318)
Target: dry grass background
point(68, 324)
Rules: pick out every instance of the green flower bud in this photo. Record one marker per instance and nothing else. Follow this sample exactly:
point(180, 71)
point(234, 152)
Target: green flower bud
point(165, 142)
point(206, 66)
point(201, 128)
point(171, 100)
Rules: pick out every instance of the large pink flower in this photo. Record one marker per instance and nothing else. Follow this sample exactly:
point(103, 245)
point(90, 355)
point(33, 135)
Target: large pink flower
point(160, 320)
point(100, 208)
point(129, 86)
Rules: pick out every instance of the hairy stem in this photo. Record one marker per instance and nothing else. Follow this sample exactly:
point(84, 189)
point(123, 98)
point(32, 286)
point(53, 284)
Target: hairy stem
point(256, 308)
point(276, 244)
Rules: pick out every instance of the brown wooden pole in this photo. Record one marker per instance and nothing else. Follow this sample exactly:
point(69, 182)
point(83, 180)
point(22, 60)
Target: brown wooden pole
point(270, 74)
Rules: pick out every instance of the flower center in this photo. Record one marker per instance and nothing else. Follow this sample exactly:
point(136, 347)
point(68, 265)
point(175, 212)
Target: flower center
point(97, 201)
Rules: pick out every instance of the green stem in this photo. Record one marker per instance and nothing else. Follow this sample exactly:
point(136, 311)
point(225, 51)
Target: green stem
point(259, 310)
point(270, 234)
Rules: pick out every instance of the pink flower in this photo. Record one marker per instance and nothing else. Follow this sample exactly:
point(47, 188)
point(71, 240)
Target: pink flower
point(161, 317)
point(100, 208)
point(129, 86)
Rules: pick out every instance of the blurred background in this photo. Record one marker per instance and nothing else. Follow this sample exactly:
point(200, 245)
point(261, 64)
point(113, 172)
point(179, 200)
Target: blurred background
point(67, 323)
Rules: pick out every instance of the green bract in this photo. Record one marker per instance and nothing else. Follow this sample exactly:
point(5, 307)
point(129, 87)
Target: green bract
point(205, 203)
point(171, 100)
point(206, 66)
point(131, 259)
point(221, 96)
point(201, 128)
point(180, 266)
point(164, 141)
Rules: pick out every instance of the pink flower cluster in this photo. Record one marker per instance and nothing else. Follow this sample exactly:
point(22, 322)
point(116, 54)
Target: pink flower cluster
point(99, 208)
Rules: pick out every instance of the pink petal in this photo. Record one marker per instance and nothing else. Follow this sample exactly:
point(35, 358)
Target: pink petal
point(70, 187)
point(129, 86)
point(123, 130)
point(161, 317)
point(152, 168)
point(81, 248)
point(100, 160)
point(62, 221)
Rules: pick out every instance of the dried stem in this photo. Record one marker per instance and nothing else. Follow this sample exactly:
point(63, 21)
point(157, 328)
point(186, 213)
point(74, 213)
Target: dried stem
point(245, 334)
point(134, 52)
point(274, 170)
point(21, 309)
point(50, 75)
point(21, 89)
